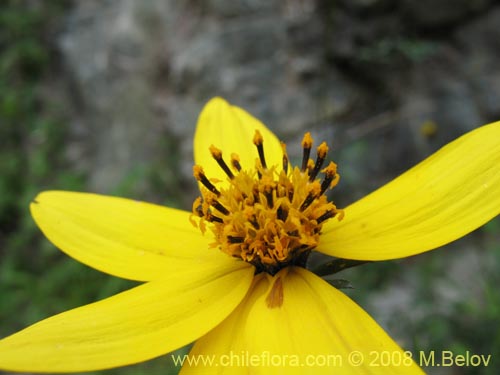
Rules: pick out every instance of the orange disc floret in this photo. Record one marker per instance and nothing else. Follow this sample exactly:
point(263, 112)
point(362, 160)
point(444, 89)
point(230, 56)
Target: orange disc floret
point(267, 217)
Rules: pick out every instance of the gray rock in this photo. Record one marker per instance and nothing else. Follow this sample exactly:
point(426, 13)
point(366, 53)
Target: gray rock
point(140, 73)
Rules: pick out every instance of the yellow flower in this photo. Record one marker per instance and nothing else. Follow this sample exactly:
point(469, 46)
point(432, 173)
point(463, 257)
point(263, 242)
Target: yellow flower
point(260, 306)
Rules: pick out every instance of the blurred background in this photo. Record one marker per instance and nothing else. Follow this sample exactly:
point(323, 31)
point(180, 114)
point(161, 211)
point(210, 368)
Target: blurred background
point(103, 96)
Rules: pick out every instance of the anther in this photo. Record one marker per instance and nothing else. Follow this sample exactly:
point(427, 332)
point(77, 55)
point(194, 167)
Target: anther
point(281, 214)
point(210, 217)
point(285, 157)
point(219, 207)
point(307, 142)
point(255, 192)
point(290, 194)
point(258, 168)
point(322, 150)
point(330, 173)
point(234, 239)
point(217, 155)
point(200, 176)
point(235, 162)
point(327, 215)
point(311, 196)
point(268, 192)
point(250, 215)
point(198, 207)
point(254, 222)
point(258, 141)
point(310, 166)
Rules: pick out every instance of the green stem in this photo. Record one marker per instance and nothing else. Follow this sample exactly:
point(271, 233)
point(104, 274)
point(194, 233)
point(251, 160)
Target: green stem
point(334, 266)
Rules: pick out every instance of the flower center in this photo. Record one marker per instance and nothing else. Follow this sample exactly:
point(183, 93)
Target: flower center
point(268, 217)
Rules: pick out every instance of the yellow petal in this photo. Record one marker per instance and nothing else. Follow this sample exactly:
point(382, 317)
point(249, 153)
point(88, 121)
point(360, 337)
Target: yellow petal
point(125, 238)
point(231, 129)
point(306, 327)
point(130, 327)
point(448, 195)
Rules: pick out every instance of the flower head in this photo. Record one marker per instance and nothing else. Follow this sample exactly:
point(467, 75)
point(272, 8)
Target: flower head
point(255, 297)
point(268, 217)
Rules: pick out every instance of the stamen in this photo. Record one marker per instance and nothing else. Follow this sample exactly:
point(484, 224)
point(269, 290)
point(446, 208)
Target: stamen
point(219, 207)
point(210, 217)
point(254, 222)
point(268, 192)
point(327, 215)
point(255, 192)
point(285, 157)
point(322, 150)
point(310, 166)
point(259, 168)
point(200, 176)
point(235, 162)
point(330, 173)
point(311, 196)
point(258, 141)
point(307, 142)
point(217, 155)
point(234, 239)
point(290, 194)
point(281, 214)
point(197, 207)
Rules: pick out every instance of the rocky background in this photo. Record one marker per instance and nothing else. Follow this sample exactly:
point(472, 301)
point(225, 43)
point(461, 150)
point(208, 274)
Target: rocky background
point(386, 82)
point(399, 78)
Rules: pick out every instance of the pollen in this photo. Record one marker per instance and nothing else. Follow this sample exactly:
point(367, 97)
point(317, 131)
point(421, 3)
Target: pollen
point(269, 216)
